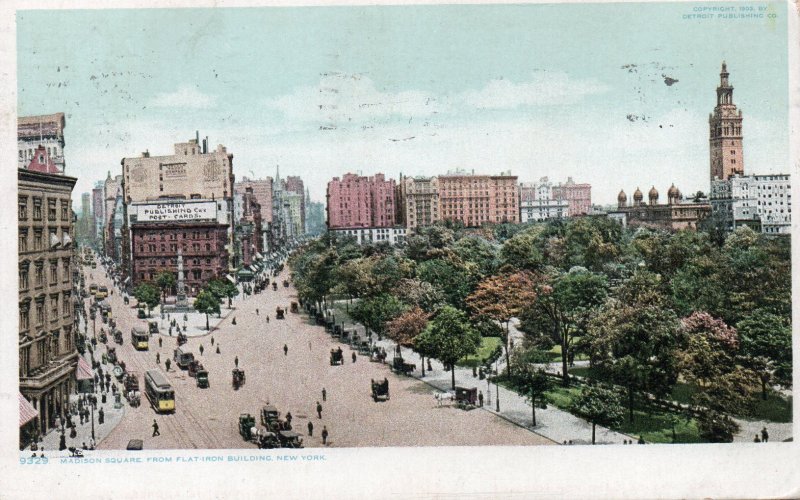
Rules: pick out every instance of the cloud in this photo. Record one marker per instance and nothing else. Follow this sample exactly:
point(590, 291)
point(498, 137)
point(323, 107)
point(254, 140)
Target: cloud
point(546, 88)
point(184, 97)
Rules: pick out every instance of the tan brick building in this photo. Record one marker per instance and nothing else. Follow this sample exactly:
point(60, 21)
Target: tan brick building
point(478, 199)
point(419, 201)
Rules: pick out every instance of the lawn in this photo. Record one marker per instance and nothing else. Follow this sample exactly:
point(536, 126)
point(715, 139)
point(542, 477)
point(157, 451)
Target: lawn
point(488, 345)
point(774, 409)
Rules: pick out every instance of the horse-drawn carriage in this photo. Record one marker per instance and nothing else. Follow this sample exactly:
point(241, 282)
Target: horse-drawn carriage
point(131, 383)
point(238, 378)
point(380, 390)
point(247, 423)
point(294, 308)
point(363, 348)
point(118, 336)
point(270, 418)
point(279, 313)
point(285, 283)
point(194, 367)
point(111, 355)
point(399, 365)
point(466, 398)
point(290, 439)
point(152, 327)
point(337, 357)
point(103, 336)
point(202, 377)
point(182, 339)
point(266, 439)
point(275, 285)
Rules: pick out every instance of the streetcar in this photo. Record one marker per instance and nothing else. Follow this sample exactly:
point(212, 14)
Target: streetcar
point(159, 391)
point(93, 289)
point(140, 338)
point(102, 292)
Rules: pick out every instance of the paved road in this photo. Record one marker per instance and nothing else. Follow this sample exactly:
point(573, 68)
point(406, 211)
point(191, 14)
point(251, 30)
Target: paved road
point(208, 418)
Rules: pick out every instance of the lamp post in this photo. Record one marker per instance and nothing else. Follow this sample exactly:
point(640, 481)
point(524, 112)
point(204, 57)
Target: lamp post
point(488, 390)
point(497, 387)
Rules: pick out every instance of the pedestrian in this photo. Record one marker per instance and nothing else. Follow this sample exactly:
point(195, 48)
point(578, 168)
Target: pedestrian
point(354, 356)
point(267, 318)
point(289, 417)
point(155, 429)
point(92, 443)
point(158, 358)
point(324, 435)
point(108, 378)
point(641, 439)
point(84, 446)
point(236, 361)
point(212, 341)
point(310, 428)
point(201, 349)
point(430, 368)
point(217, 348)
point(160, 340)
point(285, 350)
point(80, 415)
point(764, 435)
point(309, 345)
point(62, 442)
point(756, 440)
point(319, 410)
point(101, 416)
point(167, 363)
point(256, 311)
point(324, 395)
point(480, 398)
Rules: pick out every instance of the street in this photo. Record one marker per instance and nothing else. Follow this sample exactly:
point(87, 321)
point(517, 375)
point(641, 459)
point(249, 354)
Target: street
point(208, 418)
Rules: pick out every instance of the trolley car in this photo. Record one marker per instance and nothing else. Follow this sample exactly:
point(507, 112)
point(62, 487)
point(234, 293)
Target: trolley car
point(159, 391)
point(140, 338)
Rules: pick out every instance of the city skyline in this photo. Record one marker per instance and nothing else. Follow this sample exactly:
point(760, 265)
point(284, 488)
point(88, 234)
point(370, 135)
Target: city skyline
point(322, 92)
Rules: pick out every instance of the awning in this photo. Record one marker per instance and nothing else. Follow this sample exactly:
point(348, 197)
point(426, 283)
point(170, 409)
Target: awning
point(244, 272)
point(83, 371)
point(231, 278)
point(259, 256)
point(26, 411)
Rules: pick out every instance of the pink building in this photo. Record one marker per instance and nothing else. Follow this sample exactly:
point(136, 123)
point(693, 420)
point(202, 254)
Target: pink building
point(262, 191)
point(357, 201)
point(479, 199)
point(579, 196)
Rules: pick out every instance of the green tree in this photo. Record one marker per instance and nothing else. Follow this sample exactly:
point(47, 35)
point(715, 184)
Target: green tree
point(165, 281)
point(533, 382)
point(599, 406)
point(419, 293)
point(456, 281)
point(405, 328)
point(375, 312)
point(147, 294)
point(222, 288)
point(450, 337)
point(207, 303)
point(522, 251)
point(766, 348)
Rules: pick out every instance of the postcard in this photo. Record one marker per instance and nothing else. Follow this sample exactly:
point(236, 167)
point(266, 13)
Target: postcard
point(411, 250)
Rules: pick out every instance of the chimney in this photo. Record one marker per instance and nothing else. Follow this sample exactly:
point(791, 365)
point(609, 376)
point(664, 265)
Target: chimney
point(205, 145)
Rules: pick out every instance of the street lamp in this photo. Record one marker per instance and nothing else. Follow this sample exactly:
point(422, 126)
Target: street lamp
point(488, 390)
point(496, 387)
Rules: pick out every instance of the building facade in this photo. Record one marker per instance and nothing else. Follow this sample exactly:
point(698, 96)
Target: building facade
point(676, 214)
point(391, 235)
point(262, 190)
point(112, 190)
point(725, 132)
point(41, 130)
point(475, 200)
point(184, 200)
point(761, 202)
point(577, 196)
point(537, 203)
point(294, 184)
point(356, 201)
point(98, 213)
point(47, 347)
point(419, 201)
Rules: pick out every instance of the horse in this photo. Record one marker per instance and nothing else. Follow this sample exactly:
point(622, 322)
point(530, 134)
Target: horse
point(441, 397)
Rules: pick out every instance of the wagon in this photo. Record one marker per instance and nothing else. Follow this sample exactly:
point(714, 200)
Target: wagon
point(274, 285)
point(238, 378)
point(279, 313)
point(399, 365)
point(294, 308)
point(286, 283)
point(270, 417)
point(380, 390)
point(182, 339)
point(202, 377)
point(363, 348)
point(152, 327)
point(194, 367)
point(337, 358)
point(111, 356)
point(246, 424)
point(290, 439)
point(131, 382)
point(466, 398)
point(268, 440)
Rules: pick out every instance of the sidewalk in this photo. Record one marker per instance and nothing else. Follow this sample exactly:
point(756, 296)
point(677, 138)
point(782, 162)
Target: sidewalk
point(552, 423)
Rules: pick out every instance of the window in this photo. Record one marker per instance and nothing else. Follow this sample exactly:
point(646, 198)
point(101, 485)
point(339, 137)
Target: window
point(23, 277)
point(23, 240)
point(24, 317)
point(23, 208)
point(51, 210)
point(65, 305)
point(37, 208)
point(53, 272)
point(64, 210)
point(54, 307)
point(65, 262)
point(39, 274)
point(39, 312)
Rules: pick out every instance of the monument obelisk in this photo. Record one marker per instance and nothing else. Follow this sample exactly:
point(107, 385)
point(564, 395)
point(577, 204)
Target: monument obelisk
point(181, 303)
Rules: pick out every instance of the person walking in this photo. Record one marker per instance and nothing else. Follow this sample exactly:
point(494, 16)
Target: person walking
point(310, 428)
point(155, 429)
point(354, 356)
point(201, 349)
point(158, 358)
point(101, 416)
point(324, 395)
point(285, 350)
point(212, 341)
point(324, 435)
point(267, 318)
point(256, 311)
point(236, 361)
point(764, 435)
point(756, 439)
point(319, 410)
point(167, 363)
point(289, 417)
point(160, 341)
point(480, 398)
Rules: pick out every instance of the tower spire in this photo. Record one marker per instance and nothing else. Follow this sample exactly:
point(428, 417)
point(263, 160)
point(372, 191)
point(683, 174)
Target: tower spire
point(725, 132)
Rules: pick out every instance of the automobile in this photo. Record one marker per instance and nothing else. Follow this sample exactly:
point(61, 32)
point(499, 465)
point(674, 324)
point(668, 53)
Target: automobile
point(152, 327)
point(380, 390)
point(135, 444)
point(202, 378)
point(290, 439)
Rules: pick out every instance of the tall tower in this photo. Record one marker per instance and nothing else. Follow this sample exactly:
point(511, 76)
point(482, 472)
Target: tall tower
point(725, 132)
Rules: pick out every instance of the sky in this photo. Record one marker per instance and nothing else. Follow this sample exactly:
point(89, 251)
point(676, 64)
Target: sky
point(616, 95)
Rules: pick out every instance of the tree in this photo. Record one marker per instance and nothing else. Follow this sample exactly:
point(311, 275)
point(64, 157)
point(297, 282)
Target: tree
point(456, 281)
point(599, 406)
point(207, 303)
point(374, 312)
point(406, 327)
point(419, 293)
point(522, 252)
point(450, 337)
point(147, 294)
point(533, 382)
point(766, 347)
point(502, 298)
point(222, 288)
point(165, 281)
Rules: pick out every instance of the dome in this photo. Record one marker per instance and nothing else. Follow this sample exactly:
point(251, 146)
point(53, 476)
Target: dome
point(622, 197)
point(637, 195)
point(653, 194)
point(673, 191)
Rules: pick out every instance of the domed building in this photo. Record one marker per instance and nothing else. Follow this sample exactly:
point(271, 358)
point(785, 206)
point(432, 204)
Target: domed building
point(675, 214)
